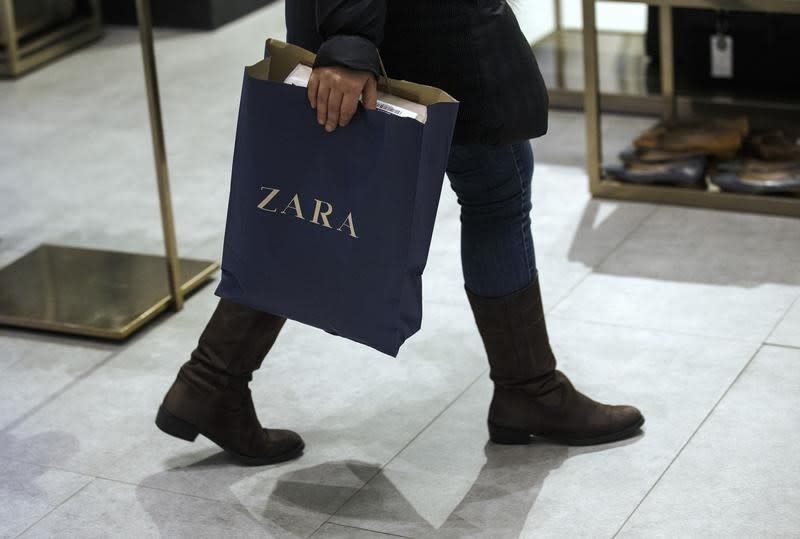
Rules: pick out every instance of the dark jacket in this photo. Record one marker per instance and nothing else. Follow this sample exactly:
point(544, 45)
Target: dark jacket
point(472, 49)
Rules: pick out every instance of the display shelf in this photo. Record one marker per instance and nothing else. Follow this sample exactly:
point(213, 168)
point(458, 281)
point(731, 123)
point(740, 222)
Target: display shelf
point(24, 49)
point(670, 106)
point(624, 83)
point(629, 82)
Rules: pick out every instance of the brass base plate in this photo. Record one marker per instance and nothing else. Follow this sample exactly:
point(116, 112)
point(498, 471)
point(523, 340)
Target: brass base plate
point(94, 293)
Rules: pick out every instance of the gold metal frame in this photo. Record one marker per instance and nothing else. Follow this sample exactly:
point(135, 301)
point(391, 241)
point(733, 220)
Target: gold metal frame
point(20, 57)
point(572, 98)
point(98, 293)
point(600, 187)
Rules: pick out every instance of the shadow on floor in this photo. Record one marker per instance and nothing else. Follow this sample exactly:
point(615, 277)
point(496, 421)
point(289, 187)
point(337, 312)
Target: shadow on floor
point(694, 246)
point(499, 500)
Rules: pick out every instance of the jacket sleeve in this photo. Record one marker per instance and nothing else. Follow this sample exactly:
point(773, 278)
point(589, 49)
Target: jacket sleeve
point(351, 31)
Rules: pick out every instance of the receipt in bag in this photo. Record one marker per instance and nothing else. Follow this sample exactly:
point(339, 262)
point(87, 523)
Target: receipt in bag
point(391, 104)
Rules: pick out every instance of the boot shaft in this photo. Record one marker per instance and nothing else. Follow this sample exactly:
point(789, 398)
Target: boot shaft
point(237, 338)
point(514, 333)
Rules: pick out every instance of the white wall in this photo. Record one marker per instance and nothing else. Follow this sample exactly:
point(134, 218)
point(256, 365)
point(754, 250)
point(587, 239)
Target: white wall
point(536, 16)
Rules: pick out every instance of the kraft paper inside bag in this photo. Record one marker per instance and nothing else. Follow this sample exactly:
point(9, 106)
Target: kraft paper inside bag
point(333, 229)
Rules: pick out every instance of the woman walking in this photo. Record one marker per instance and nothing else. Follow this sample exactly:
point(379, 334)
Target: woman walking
point(474, 50)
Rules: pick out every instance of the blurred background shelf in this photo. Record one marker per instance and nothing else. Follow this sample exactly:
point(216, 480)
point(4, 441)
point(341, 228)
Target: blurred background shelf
point(630, 82)
point(33, 32)
point(623, 73)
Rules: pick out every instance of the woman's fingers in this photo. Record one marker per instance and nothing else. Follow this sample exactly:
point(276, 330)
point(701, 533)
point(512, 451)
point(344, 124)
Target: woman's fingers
point(313, 88)
point(371, 94)
point(349, 107)
point(323, 95)
point(334, 109)
point(334, 93)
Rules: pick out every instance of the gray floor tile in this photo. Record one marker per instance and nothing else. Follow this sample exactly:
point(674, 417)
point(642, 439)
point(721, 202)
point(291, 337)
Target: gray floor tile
point(78, 170)
point(319, 385)
point(738, 477)
point(110, 509)
point(335, 531)
point(35, 368)
point(451, 482)
point(787, 332)
point(28, 492)
point(86, 428)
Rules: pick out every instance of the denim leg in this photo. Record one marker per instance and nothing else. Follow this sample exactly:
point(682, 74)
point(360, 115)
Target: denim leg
point(493, 184)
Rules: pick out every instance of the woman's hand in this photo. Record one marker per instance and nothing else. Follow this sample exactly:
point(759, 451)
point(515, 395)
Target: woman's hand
point(334, 93)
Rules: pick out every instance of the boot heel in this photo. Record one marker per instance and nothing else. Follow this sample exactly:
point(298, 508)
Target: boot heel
point(508, 436)
point(174, 426)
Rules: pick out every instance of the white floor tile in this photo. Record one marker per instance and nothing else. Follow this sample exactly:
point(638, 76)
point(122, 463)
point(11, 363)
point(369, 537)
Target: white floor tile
point(693, 308)
point(787, 332)
point(451, 482)
point(28, 492)
point(738, 477)
point(571, 232)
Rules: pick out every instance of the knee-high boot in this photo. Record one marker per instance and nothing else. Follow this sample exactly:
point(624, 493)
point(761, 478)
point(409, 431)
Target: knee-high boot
point(210, 395)
point(531, 397)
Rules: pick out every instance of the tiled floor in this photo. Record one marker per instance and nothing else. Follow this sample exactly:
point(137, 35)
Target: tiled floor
point(692, 315)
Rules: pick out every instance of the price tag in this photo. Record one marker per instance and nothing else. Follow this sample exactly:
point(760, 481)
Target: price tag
point(721, 56)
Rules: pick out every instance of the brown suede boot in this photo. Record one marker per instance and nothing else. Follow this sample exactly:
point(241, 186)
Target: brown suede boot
point(210, 395)
point(532, 398)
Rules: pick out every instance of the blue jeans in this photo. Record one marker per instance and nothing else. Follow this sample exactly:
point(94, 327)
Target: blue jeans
point(493, 184)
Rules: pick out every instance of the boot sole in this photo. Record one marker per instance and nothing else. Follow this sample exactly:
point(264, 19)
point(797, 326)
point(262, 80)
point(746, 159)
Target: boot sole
point(177, 427)
point(512, 436)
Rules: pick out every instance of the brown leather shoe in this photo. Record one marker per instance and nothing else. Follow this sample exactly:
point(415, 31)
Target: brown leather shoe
point(532, 398)
point(210, 395)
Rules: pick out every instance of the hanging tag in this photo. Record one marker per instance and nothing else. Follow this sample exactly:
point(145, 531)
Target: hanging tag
point(721, 56)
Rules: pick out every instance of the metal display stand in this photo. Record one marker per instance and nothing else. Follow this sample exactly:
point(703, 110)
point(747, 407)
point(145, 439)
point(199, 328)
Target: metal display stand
point(100, 293)
point(601, 187)
point(19, 55)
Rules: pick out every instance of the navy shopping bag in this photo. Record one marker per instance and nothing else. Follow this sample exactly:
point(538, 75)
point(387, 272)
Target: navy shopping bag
point(333, 229)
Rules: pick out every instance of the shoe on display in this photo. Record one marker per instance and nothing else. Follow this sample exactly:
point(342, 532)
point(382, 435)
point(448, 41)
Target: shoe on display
point(631, 155)
point(719, 137)
point(778, 145)
point(655, 167)
point(758, 177)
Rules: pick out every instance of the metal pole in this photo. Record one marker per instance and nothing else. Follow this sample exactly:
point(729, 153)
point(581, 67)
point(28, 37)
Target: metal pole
point(151, 81)
point(667, 60)
point(10, 31)
point(560, 46)
point(591, 94)
point(557, 14)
